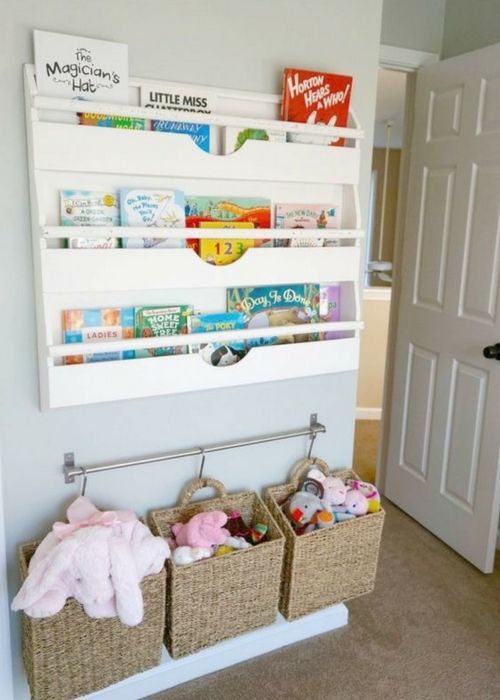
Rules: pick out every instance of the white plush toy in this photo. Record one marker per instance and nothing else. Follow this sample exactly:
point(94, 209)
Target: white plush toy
point(188, 555)
point(237, 543)
point(334, 488)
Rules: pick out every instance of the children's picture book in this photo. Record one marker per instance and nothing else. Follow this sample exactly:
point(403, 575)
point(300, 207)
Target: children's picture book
point(114, 122)
point(199, 133)
point(224, 210)
point(157, 321)
point(223, 251)
point(219, 353)
point(155, 209)
point(301, 216)
point(88, 208)
point(314, 97)
point(80, 68)
point(329, 308)
point(97, 326)
point(235, 137)
point(173, 98)
point(282, 305)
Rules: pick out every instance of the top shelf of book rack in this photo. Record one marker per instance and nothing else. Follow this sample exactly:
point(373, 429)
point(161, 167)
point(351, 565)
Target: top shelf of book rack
point(227, 98)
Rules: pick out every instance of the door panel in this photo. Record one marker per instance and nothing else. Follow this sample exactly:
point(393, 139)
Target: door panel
point(432, 251)
point(480, 267)
point(466, 408)
point(417, 414)
point(444, 438)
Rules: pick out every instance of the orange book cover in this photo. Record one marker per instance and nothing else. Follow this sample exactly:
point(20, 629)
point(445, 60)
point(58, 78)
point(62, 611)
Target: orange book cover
point(313, 97)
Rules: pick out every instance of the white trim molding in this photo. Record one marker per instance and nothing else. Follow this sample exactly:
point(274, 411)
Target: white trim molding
point(377, 293)
point(406, 60)
point(368, 414)
point(232, 651)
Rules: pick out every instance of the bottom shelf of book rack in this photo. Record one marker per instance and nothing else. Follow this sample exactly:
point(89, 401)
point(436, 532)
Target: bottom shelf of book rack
point(97, 382)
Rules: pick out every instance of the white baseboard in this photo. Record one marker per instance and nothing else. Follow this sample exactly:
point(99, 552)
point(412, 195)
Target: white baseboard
point(171, 673)
point(368, 414)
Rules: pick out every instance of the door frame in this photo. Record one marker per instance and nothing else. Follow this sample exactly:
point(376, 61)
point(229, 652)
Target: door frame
point(406, 61)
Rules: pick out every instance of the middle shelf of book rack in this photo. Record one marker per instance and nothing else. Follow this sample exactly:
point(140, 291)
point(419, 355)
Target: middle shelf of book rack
point(98, 270)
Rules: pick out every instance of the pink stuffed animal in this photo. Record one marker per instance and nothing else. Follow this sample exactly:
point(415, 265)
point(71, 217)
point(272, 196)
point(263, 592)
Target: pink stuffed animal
point(203, 530)
point(369, 491)
point(100, 565)
point(355, 503)
point(334, 488)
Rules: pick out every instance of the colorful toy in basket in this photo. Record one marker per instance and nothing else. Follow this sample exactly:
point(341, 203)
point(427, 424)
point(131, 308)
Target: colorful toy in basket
point(302, 509)
point(97, 558)
point(325, 500)
point(204, 536)
point(354, 504)
point(202, 530)
point(334, 489)
point(369, 491)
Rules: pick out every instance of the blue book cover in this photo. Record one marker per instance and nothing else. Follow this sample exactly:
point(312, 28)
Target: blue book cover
point(280, 305)
point(200, 133)
point(155, 209)
point(219, 353)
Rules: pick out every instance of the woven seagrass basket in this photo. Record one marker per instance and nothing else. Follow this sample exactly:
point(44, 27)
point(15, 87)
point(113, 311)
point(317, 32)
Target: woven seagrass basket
point(329, 566)
point(220, 597)
point(71, 654)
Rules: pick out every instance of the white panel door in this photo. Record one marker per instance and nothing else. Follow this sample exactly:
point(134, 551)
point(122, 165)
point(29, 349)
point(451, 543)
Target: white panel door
point(443, 458)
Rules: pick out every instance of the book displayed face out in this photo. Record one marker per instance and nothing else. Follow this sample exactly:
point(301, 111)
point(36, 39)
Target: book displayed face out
point(77, 67)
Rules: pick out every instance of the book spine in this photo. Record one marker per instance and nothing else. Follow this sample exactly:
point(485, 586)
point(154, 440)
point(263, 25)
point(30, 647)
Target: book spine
point(284, 98)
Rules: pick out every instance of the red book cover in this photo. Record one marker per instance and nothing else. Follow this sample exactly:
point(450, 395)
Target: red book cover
point(313, 97)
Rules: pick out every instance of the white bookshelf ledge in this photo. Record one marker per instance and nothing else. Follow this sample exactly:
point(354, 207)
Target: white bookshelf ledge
point(233, 651)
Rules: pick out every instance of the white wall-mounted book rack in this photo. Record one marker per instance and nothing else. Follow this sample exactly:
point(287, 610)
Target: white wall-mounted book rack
point(66, 155)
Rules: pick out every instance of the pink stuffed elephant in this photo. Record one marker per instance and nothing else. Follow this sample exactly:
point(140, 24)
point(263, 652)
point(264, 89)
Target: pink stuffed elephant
point(203, 530)
point(98, 558)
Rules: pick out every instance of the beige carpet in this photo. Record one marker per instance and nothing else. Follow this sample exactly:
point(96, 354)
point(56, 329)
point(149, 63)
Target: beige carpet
point(430, 631)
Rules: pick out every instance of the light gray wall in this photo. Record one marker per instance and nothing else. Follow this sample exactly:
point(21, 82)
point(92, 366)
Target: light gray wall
point(470, 25)
point(413, 24)
point(230, 43)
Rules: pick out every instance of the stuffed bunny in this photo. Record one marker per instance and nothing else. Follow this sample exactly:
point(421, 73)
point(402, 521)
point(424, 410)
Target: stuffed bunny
point(334, 489)
point(369, 491)
point(203, 530)
point(355, 504)
point(97, 565)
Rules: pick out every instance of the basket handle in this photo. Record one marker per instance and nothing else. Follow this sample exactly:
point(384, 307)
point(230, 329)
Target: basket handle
point(301, 469)
point(195, 485)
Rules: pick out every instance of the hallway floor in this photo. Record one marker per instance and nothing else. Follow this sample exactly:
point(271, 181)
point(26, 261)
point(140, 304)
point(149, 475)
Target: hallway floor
point(429, 631)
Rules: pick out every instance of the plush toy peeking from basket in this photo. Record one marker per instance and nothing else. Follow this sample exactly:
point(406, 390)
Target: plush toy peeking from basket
point(331, 554)
point(93, 597)
point(229, 591)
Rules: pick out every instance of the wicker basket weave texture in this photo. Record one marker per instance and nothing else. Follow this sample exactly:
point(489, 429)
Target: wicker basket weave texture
point(324, 567)
point(71, 654)
point(220, 597)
